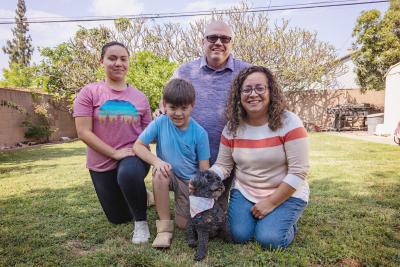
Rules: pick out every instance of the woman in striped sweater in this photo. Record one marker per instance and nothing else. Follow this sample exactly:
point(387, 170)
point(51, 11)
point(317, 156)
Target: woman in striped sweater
point(266, 146)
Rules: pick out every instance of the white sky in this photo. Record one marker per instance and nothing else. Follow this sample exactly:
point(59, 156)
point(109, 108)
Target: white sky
point(333, 25)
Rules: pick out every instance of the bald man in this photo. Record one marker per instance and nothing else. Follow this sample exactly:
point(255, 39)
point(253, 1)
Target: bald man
point(212, 75)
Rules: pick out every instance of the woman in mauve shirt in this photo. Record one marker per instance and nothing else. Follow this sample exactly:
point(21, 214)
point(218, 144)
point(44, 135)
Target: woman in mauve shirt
point(109, 116)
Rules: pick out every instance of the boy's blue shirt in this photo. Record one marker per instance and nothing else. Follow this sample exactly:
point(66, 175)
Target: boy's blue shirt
point(181, 148)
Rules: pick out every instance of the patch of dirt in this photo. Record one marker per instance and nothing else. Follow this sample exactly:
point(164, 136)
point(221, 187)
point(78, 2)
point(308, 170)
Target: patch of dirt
point(78, 248)
point(349, 263)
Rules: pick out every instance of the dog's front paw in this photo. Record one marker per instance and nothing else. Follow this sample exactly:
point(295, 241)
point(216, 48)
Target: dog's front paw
point(192, 243)
point(200, 255)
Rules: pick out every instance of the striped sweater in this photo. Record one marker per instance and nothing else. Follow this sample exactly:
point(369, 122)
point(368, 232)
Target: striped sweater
point(262, 158)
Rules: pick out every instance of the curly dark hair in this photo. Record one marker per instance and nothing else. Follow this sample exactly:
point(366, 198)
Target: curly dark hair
point(235, 112)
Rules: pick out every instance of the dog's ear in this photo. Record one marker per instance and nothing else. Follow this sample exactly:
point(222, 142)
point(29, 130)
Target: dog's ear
point(199, 180)
point(211, 175)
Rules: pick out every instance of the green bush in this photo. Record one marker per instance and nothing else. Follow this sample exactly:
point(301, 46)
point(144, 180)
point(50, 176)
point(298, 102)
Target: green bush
point(38, 127)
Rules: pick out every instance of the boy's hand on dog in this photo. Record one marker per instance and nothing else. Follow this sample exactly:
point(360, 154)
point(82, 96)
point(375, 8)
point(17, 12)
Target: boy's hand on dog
point(262, 208)
point(163, 167)
point(191, 188)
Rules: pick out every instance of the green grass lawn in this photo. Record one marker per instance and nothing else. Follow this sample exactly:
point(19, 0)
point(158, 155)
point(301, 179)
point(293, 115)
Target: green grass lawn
point(49, 214)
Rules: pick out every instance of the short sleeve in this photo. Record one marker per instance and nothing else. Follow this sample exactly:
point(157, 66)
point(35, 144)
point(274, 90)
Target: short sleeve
point(203, 146)
point(83, 104)
point(176, 75)
point(150, 134)
point(146, 119)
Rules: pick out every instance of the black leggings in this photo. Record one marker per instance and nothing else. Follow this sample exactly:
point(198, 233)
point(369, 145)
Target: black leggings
point(121, 192)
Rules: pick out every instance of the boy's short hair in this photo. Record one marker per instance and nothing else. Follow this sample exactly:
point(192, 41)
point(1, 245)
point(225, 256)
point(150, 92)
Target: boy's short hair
point(179, 92)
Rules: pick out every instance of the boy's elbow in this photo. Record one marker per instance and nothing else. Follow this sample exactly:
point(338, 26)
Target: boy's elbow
point(136, 146)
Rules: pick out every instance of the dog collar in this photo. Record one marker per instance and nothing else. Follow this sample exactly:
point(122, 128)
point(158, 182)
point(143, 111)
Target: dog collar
point(200, 204)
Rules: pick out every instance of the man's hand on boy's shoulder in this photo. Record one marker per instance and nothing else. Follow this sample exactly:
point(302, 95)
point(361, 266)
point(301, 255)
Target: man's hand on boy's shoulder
point(157, 113)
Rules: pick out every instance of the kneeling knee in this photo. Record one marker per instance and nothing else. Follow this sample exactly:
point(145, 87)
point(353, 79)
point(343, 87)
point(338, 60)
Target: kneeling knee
point(159, 179)
point(118, 220)
point(240, 234)
point(271, 241)
point(128, 176)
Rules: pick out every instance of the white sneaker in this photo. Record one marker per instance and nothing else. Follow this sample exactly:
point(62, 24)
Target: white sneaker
point(141, 233)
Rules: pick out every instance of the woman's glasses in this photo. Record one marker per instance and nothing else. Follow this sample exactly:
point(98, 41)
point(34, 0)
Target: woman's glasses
point(259, 90)
point(214, 38)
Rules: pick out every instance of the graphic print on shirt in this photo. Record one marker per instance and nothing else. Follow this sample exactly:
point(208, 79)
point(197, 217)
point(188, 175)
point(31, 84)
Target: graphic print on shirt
point(122, 110)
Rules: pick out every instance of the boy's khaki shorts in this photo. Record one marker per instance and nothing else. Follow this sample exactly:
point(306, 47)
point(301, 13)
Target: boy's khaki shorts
point(180, 187)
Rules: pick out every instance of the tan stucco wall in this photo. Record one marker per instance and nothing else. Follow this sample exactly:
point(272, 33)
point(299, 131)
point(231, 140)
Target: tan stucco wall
point(11, 129)
point(312, 106)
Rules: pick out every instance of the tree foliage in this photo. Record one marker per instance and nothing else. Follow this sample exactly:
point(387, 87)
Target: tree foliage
point(69, 66)
point(19, 48)
point(296, 56)
point(377, 45)
point(149, 73)
point(299, 60)
point(66, 68)
point(21, 76)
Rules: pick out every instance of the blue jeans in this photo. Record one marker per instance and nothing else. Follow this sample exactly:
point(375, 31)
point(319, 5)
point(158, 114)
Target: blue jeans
point(276, 230)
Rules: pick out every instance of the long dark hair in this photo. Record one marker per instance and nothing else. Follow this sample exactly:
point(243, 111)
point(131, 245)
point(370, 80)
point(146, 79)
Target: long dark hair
point(235, 113)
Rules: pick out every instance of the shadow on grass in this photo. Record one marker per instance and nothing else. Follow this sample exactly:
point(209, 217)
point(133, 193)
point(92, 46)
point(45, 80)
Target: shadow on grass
point(349, 223)
point(39, 227)
point(43, 153)
point(26, 169)
point(67, 227)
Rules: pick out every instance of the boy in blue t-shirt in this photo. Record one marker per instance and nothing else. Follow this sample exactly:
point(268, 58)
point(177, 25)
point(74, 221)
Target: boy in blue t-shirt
point(182, 149)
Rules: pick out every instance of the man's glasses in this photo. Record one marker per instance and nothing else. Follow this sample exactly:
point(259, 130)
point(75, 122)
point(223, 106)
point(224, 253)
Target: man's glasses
point(259, 90)
point(214, 38)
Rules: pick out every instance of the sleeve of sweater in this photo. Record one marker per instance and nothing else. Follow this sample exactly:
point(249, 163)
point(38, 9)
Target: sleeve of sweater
point(224, 163)
point(295, 142)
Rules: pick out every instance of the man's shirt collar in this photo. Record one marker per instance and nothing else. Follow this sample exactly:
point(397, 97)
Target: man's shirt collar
point(229, 64)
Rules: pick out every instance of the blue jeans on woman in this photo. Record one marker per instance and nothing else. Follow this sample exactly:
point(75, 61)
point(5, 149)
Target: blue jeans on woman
point(276, 230)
